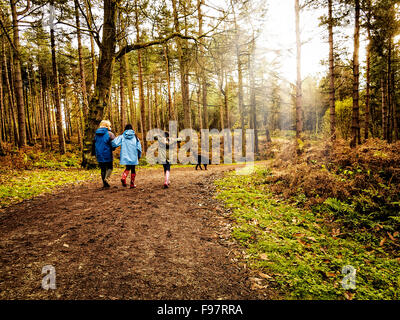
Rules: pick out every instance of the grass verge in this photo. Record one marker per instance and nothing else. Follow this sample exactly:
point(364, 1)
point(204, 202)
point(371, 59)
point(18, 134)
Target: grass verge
point(303, 252)
point(16, 185)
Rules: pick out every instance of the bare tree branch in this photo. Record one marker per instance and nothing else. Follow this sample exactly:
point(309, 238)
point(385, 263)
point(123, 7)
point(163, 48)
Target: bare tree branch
point(137, 46)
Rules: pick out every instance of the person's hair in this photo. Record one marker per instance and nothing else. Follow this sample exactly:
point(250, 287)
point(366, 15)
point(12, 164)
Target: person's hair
point(105, 124)
point(166, 134)
point(128, 127)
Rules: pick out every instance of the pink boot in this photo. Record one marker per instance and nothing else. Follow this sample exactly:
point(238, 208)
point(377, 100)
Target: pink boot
point(124, 176)
point(166, 183)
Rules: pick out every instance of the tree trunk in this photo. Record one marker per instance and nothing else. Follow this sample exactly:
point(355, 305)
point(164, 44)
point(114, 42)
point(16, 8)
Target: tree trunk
point(18, 85)
point(2, 117)
point(355, 125)
point(203, 82)
point(367, 94)
point(141, 100)
point(93, 56)
point(394, 113)
point(11, 97)
point(220, 74)
point(2, 120)
point(130, 89)
point(56, 88)
point(48, 112)
point(101, 95)
point(198, 93)
point(183, 68)
point(35, 103)
point(299, 107)
point(221, 114)
point(170, 111)
point(391, 93)
point(368, 71)
point(122, 92)
point(157, 109)
point(384, 110)
point(67, 116)
point(240, 72)
point(122, 75)
point(149, 106)
point(226, 104)
point(253, 112)
point(331, 75)
point(82, 73)
point(140, 81)
point(28, 105)
point(41, 112)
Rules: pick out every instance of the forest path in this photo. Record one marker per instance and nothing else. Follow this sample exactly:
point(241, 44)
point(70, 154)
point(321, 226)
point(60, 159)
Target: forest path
point(121, 243)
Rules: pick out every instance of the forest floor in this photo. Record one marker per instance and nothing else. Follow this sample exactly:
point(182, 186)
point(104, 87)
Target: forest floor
point(288, 230)
point(121, 243)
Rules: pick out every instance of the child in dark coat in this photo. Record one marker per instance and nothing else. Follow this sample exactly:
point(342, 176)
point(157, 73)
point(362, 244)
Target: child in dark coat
point(103, 150)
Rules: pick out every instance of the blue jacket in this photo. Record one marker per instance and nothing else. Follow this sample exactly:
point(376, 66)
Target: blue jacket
point(131, 149)
point(103, 148)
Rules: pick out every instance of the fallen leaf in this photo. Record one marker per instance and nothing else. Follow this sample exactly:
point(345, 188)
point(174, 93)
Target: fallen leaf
point(265, 276)
point(255, 286)
point(312, 239)
point(330, 274)
point(304, 243)
point(349, 295)
point(382, 242)
point(65, 245)
point(298, 235)
point(256, 280)
point(396, 234)
point(391, 237)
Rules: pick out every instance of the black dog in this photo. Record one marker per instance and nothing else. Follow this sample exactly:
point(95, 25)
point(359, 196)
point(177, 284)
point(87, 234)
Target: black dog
point(201, 161)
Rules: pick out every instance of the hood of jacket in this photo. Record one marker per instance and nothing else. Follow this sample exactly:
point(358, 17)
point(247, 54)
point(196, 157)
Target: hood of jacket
point(101, 131)
point(129, 134)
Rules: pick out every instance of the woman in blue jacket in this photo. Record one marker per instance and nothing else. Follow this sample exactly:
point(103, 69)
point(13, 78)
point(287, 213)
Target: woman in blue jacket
point(131, 151)
point(103, 150)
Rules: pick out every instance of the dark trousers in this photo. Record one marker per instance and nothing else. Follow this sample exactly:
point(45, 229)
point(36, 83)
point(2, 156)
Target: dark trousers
point(166, 166)
point(104, 166)
point(131, 168)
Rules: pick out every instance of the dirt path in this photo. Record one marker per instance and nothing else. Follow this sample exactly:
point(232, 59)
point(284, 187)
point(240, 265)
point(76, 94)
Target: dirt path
point(145, 243)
